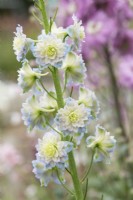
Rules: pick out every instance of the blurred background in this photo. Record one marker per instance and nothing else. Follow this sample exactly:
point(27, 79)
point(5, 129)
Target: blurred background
point(108, 54)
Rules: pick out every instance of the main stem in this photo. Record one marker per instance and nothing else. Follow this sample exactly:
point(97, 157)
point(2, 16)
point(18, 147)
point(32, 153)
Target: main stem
point(115, 90)
point(60, 102)
point(44, 15)
point(75, 178)
point(58, 89)
point(72, 165)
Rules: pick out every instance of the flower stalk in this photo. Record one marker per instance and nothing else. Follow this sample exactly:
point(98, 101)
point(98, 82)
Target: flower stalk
point(44, 15)
point(72, 165)
point(89, 169)
point(76, 182)
point(56, 80)
point(60, 102)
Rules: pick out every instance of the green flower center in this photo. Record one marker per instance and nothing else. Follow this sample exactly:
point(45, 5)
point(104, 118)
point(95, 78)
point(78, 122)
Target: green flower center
point(73, 117)
point(51, 51)
point(48, 150)
point(18, 42)
point(39, 166)
point(103, 143)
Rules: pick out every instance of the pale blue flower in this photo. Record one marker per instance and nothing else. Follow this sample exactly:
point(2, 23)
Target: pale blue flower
point(49, 51)
point(76, 31)
point(53, 151)
point(27, 77)
point(89, 99)
point(74, 68)
point(60, 32)
point(102, 143)
point(21, 44)
point(48, 102)
point(73, 118)
point(44, 174)
point(33, 114)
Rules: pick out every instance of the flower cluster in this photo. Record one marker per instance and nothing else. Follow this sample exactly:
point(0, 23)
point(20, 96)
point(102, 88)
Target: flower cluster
point(59, 114)
point(52, 155)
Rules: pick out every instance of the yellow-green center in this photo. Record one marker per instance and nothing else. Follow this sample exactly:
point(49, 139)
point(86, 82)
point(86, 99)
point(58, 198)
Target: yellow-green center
point(51, 51)
point(48, 150)
point(18, 42)
point(102, 143)
point(73, 117)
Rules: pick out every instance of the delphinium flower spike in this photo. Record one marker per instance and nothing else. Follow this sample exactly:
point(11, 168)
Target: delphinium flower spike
point(63, 119)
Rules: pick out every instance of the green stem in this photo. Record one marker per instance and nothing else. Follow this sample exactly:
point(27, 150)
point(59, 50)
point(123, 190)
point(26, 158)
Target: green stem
point(86, 189)
point(44, 15)
point(58, 89)
point(71, 91)
point(65, 82)
point(53, 19)
point(65, 37)
point(74, 173)
point(72, 165)
point(47, 90)
point(89, 169)
point(68, 190)
point(40, 21)
point(68, 171)
point(54, 129)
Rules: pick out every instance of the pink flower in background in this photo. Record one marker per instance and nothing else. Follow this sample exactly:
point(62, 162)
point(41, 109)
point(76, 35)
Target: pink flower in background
point(107, 23)
point(97, 31)
point(85, 9)
point(97, 75)
point(126, 72)
point(124, 10)
point(123, 42)
point(107, 6)
point(9, 157)
point(78, 7)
